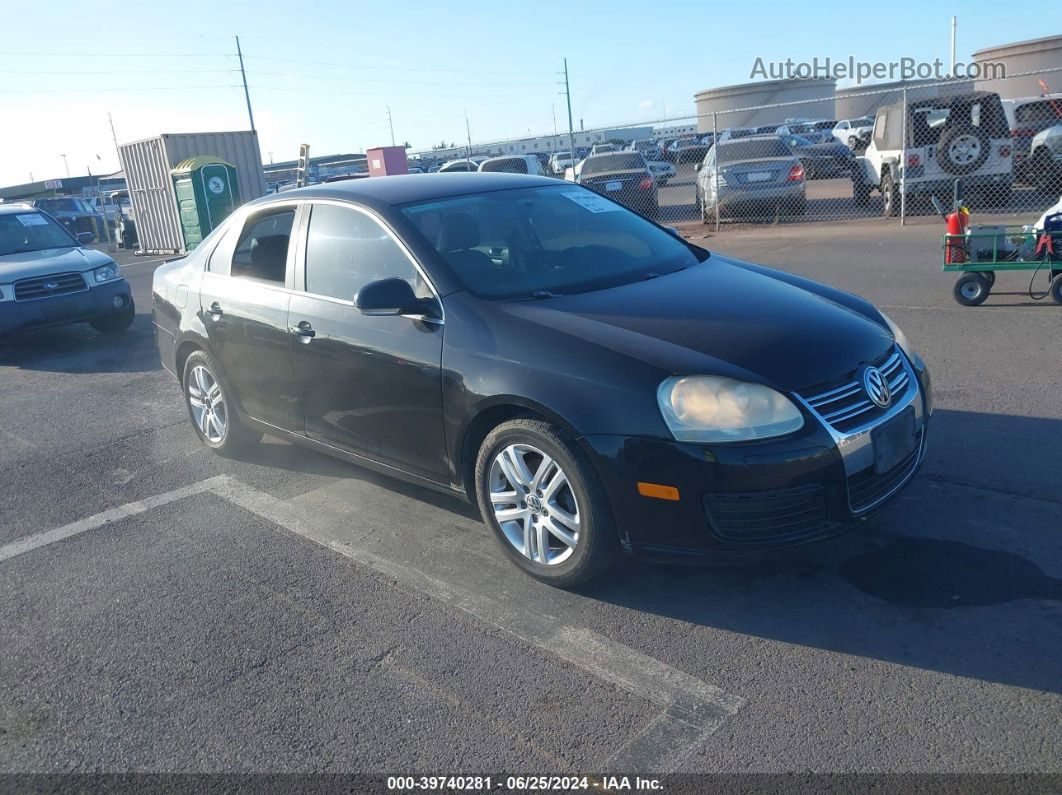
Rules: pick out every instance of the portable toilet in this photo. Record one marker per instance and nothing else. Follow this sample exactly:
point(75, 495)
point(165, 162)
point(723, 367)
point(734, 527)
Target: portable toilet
point(207, 190)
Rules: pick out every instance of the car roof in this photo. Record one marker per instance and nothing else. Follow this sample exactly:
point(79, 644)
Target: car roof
point(402, 189)
point(7, 208)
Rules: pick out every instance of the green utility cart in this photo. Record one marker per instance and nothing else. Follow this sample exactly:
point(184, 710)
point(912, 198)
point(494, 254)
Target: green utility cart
point(207, 190)
point(982, 251)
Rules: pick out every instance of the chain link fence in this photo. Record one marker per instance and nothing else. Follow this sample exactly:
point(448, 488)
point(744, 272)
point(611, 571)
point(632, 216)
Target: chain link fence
point(895, 149)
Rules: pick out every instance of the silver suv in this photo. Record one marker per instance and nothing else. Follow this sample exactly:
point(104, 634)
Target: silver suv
point(47, 278)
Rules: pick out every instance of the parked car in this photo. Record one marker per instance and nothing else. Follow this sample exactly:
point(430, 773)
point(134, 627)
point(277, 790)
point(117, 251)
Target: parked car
point(854, 132)
point(47, 277)
point(559, 161)
point(600, 149)
point(622, 176)
point(1027, 116)
point(759, 174)
point(821, 160)
point(661, 170)
point(962, 135)
point(513, 164)
point(1045, 159)
point(730, 133)
point(805, 129)
point(108, 209)
point(687, 150)
point(464, 164)
point(674, 403)
point(72, 212)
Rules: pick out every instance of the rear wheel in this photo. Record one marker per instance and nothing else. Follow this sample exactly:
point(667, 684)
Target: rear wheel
point(212, 409)
point(972, 289)
point(1056, 289)
point(890, 195)
point(542, 500)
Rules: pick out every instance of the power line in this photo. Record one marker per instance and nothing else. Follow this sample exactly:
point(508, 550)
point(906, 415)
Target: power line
point(94, 90)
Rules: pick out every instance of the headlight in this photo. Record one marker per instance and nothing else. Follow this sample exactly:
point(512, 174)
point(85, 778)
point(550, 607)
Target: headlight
point(709, 408)
point(106, 273)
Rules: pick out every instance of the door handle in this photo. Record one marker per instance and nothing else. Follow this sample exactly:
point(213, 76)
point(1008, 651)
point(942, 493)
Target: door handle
point(304, 331)
point(215, 310)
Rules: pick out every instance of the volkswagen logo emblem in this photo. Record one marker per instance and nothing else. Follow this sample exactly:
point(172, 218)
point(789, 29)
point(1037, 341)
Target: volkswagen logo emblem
point(876, 387)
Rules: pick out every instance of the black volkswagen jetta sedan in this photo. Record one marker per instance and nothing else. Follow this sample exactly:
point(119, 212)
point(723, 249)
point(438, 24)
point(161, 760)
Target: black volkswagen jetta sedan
point(595, 383)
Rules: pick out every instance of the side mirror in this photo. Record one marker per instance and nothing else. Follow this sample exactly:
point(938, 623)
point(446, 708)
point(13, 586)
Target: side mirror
point(86, 237)
point(389, 297)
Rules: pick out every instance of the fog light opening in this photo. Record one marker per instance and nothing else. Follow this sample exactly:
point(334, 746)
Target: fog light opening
point(119, 301)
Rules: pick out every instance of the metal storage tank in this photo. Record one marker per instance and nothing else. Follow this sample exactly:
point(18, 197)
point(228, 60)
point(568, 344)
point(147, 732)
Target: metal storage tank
point(1024, 56)
point(147, 165)
point(864, 100)
point(815, 98)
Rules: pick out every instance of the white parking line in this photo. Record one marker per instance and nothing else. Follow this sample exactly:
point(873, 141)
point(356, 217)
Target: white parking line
point(692, 708)
point(38, 540)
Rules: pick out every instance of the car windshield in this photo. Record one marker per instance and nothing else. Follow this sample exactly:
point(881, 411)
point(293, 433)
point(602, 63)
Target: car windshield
point(540, 242)
point(756, 149)
point(621, 161)
point(56, 205)
point(31, 232)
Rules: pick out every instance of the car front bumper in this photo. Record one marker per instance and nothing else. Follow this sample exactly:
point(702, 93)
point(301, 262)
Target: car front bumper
point(739, 501)
point(76, 307)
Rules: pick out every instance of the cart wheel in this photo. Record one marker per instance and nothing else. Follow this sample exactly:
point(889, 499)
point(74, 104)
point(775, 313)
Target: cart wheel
point(972, 289)
point(990, 277)
point(1056, 289)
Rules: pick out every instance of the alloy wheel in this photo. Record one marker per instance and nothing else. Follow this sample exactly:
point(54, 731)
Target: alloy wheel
point(534, 504)
point(208, 404)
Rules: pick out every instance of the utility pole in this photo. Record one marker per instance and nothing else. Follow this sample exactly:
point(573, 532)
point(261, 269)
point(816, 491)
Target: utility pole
point(571, 129)
point(66, 166)
point(243, 74)
point(114, 137)
point(391, 124)
point(954, 24)
point(468, 132)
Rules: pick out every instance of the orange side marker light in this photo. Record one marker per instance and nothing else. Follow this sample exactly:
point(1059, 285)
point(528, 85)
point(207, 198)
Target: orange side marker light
point(658, 491)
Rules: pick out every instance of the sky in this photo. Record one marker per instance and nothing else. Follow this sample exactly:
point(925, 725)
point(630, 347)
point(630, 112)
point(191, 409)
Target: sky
point(328, 72)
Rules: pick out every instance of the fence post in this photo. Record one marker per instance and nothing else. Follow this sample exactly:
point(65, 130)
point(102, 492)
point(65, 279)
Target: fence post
point(903, 163)
point(715, 175)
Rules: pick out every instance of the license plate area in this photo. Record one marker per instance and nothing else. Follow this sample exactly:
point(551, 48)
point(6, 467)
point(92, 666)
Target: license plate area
point(758, 176)
point(893, 441)
point(613, 186)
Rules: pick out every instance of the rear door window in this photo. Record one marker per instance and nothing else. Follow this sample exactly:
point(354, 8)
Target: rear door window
point(262, 250)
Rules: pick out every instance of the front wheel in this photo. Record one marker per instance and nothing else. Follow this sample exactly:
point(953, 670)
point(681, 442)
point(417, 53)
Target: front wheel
point(972, 289)
point(542, 500)
point(1056, 289)
point(210, 405)
point(890, 195)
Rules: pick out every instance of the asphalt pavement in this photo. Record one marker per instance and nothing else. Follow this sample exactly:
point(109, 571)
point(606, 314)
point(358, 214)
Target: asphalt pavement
point(165, 609)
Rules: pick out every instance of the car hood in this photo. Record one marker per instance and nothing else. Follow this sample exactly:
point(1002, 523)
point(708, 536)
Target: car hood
point(722, 317)
point(50, 260)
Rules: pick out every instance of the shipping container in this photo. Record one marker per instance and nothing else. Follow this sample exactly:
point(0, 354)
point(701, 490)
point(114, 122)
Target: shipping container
point(147, 166)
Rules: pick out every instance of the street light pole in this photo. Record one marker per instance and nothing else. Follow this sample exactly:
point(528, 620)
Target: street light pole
point(66, 166)
point(571, 128)
point(243, 74)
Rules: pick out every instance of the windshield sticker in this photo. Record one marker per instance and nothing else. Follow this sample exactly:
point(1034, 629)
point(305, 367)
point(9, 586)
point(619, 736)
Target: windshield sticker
point(32, 219)
point(591, 201)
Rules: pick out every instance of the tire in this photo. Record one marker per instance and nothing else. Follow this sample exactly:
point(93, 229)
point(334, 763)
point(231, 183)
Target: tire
point(990, 277)
point(1056, 289)
point(972, 289)
point(702, 206)
point(229, 438)
point(890, 195)
point(853, 142)
point(117, 322)
point(520, 447)
point(971, 149)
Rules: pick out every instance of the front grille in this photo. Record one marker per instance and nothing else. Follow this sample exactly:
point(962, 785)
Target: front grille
point(847, 407)
point(47, 286)
point(868, 487)
point(767, 516)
